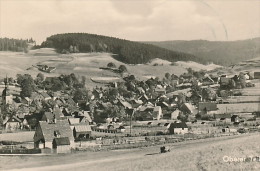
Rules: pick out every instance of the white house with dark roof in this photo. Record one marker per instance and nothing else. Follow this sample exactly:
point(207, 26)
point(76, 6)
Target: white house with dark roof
point(178, 128)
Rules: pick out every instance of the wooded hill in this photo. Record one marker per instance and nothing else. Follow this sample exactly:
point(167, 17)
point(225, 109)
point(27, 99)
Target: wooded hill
point(124, 50)
point(16, 45)
point(218, 52)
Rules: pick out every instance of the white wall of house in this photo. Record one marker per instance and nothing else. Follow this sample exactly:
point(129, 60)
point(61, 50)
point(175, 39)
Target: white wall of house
point(12, 125)
point(180, 130)
point(48, 144)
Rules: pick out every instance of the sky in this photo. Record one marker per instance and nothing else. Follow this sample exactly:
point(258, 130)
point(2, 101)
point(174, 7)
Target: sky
point(136, 20)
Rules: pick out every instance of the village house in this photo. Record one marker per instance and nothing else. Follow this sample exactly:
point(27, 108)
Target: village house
point(178, 128)
point(207, 80)
point(157, 113)
point(12, 123)
point(188, 108)
point(45, 96)
point(235, 119)
point(46, 132)
point(50, 117)
point(120, 129)
point(61, 145)
point(160, 90)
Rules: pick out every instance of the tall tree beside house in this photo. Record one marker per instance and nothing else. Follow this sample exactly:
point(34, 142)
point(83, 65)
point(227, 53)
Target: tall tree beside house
point(209, 94)
point(40, 77)
point(181, 99)
point(182, 117)
point(113, 93)
point(242, 80)
point(27, 86)
point(83, 80)
point(80, 94)
point(167, 76)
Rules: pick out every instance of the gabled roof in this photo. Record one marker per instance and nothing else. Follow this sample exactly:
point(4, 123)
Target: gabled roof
point(82, 128)
point(86, 114)
point(178, 125)
point(189, 106)
point(48, 129)
point(61, 141)
point(73, 121)
point(57, 112)
point(14, 119)
point(45, 95)
point(126, 104)
point(50, 116)
point(159, 89)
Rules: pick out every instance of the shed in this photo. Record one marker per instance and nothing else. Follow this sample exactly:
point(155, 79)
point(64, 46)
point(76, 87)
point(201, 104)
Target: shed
point(61, 145)
point(82, 131)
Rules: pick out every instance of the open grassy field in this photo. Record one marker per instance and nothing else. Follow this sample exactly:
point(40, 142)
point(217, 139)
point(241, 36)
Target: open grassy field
point(205, 154)
point(238, 107)
point(87, 64)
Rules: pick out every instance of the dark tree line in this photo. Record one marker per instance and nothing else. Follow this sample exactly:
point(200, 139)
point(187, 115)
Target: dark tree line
point(126, 51)
point(16, 45)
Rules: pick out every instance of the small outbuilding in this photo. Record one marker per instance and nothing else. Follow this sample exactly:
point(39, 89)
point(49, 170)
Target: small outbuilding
point(82, 131)
point(61, 145)
point(178, 128)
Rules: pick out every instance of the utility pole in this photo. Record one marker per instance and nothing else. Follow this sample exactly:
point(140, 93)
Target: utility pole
point(130, 125)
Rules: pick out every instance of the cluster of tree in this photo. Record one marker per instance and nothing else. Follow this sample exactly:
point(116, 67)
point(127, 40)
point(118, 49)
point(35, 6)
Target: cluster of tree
point(223, 53)
point(64, 82)
point(16, 45)
point(121, 68)
point(27, 85)
point(126, 51)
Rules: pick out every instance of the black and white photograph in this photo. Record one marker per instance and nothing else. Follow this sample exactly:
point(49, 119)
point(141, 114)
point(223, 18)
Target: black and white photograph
point(129, 85)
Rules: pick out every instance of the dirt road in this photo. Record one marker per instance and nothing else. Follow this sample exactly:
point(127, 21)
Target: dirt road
point(191, 155)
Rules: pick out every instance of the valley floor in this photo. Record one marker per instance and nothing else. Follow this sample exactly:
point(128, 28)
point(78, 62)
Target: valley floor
point(206, 154)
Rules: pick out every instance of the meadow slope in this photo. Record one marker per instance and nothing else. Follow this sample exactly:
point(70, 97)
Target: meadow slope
point(204, 154)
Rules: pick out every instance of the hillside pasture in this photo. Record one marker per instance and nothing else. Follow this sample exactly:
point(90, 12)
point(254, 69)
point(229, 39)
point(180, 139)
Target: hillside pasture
point(82, 64)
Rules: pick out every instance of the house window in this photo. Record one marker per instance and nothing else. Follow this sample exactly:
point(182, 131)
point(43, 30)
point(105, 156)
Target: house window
point(57, 133)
